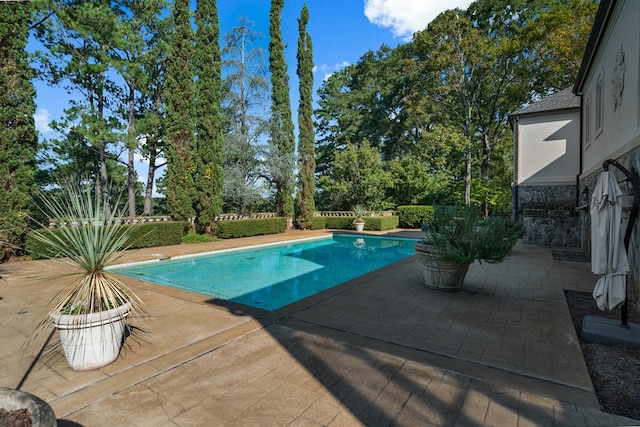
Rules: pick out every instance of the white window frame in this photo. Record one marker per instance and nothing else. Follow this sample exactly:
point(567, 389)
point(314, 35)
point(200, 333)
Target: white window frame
point(599, 119)
point(587, 123)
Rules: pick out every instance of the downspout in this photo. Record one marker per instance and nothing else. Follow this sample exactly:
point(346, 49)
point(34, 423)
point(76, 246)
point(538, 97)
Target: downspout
point(516, 129)
point(580, 161)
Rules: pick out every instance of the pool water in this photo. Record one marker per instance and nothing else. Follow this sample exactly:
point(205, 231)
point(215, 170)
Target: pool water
point(273, 276)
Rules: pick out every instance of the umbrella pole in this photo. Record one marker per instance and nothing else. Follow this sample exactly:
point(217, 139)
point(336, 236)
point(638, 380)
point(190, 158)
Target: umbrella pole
point(635, 182)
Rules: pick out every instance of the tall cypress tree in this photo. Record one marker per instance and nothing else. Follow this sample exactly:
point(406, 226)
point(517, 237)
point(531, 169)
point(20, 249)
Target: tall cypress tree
point(209, 179)
point(18, 137)
point(282, 132)
point(305, 205)
point(179, 117)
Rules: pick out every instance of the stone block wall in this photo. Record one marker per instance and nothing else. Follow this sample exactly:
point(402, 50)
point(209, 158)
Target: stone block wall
point(552, 231)
point(548, 214)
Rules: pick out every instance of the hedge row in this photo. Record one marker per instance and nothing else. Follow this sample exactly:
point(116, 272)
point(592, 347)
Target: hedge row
point(250, 227)
point(372, 223)
point(414, 216)
point(144, 236)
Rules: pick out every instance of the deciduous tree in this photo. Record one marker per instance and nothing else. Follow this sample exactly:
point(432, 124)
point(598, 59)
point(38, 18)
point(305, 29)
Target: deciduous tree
point(245, 92)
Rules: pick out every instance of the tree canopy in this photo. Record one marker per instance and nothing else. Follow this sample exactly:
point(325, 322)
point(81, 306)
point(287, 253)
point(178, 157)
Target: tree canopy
point(422, 123)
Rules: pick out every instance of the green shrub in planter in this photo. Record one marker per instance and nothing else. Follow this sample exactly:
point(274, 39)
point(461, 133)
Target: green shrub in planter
point(458, 235)
point(251, 227)
point(414, 216)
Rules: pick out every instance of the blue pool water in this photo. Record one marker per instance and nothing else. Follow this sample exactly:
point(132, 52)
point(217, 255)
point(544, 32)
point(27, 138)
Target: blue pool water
point(277, 275)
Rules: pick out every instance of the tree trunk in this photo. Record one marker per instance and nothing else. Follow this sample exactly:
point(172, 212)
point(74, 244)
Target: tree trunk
point(467, 177)
point(131, 172)
point(148, 191)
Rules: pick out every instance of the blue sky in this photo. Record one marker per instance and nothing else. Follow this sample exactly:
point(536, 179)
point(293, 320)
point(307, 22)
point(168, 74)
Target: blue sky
point(341, 31)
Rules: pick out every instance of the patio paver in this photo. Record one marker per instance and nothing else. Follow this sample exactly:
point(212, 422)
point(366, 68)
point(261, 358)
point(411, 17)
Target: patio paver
point(379, 350)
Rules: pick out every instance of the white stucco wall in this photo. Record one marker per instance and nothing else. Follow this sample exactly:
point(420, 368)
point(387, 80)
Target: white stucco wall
point(620, 130)
point(548, 148)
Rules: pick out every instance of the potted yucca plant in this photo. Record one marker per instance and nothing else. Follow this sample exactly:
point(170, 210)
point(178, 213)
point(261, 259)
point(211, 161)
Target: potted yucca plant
point(359, 211)
point(90, 317)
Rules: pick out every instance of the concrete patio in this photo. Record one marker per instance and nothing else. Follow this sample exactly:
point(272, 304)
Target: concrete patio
point(379, 350)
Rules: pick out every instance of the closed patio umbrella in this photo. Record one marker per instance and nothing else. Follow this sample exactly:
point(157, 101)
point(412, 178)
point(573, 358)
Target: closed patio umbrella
point(608, 256)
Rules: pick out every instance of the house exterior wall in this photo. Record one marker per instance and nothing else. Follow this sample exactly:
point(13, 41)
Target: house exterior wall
point(615, 66)
point(611, 116)
point(547, 163)
point(548, 148)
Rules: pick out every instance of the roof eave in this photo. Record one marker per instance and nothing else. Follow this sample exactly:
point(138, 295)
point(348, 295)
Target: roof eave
point(600, 24)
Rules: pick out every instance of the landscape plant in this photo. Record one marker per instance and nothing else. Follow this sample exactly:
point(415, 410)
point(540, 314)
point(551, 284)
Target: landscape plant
point(305, 204)
point(89, 241)
point(18, 136)
point(459, 235)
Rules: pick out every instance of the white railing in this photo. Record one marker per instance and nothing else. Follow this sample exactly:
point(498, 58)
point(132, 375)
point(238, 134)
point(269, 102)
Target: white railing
point(226, 217)
point(350, 213)
point(76, 222)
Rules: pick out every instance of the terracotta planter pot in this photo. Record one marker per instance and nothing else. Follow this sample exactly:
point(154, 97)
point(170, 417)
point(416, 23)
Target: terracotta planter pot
point(91, 341)
point(437, 274)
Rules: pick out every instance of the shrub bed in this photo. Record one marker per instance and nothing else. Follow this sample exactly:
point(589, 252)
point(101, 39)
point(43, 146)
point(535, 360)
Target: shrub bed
point(414, 216)
point(250, 227)
point(144, 236)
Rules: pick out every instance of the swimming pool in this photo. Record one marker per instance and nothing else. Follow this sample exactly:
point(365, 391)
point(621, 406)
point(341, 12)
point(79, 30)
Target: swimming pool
point(272, 276)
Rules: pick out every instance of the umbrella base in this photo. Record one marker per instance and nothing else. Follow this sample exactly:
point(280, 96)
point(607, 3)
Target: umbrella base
point(605, 331)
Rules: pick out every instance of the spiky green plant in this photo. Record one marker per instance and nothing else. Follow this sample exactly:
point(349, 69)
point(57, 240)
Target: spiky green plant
point(359, 211)
point(88, 241)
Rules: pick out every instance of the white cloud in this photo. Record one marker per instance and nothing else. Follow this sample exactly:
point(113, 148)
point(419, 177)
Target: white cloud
point(327, 70)
point(42, 119)
point(137, 157)
point(405, 17)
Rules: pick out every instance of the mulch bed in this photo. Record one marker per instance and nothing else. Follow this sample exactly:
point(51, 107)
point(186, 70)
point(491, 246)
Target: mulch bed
point(17, 418)
point(614, 370)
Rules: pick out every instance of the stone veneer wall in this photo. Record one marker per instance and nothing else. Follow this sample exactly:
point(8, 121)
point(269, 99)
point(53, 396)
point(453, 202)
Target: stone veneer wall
point(548, 215)
point(552, 231)
point(630, 161)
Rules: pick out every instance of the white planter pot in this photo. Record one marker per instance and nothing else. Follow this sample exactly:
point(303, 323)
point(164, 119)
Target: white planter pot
point(359, 226)
point(93, 340)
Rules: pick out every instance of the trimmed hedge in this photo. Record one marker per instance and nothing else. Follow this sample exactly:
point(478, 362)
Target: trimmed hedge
point(372, 223)
point(152, 234)
point(413, 216)
point(381, 223)
point(146, 235)
point(250, 227)
point(341, 222)
point(318, 223)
